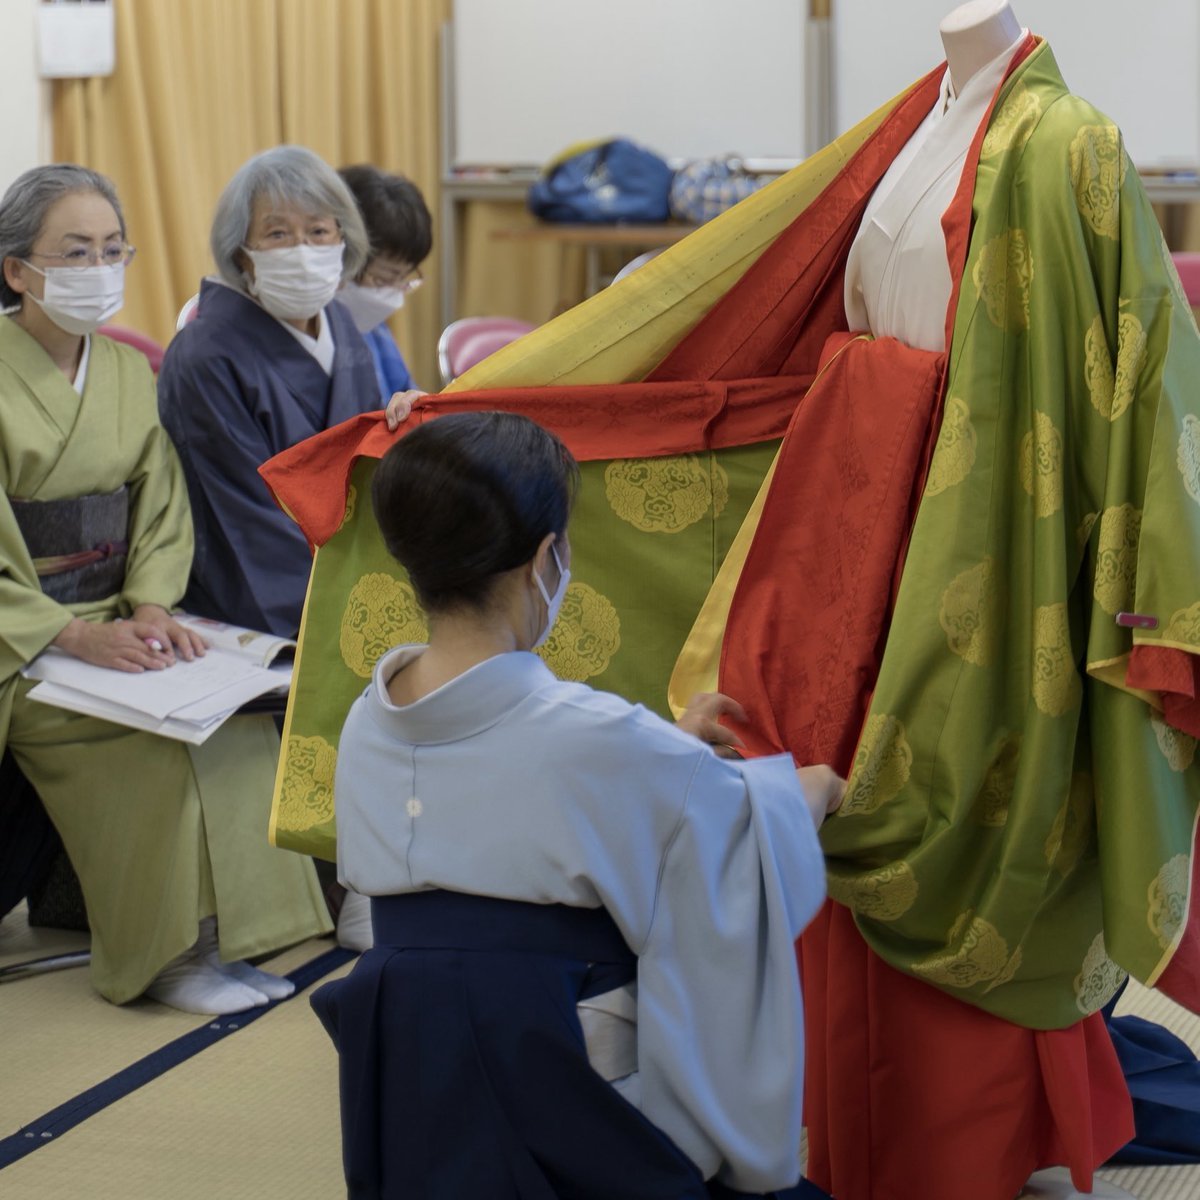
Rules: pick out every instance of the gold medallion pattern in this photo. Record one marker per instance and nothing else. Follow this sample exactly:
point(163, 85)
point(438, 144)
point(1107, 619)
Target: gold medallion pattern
point(1041, 465)
point(1073, 827)
point(995, 794)
point(1098, 978)
point(969, 614)
point(976, 954)
point(306, 797)
point(1117, 558)
point(1056, 686)
point(1003, 277)
point(1013, 123)
point(1098, 165)
point(954, 455)
point(1132, 343)
point(1187, 457)
point(665, 495)
point(1168, 897)
point(884, 894)
point(1084, 532)
point(1098, 368)
point(1184, 627)
point(380, 613)
point(1178, 748)
point(881, 767)
point(351, 503)
point(586, 635)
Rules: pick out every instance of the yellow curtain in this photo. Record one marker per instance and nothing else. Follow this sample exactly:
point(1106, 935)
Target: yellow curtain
point(199, 87)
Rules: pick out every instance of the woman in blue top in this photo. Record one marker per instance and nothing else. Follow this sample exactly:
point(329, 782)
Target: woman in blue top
point(584, 982)
point(400, 236)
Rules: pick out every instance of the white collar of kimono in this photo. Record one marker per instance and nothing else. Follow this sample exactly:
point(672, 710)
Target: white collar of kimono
point(470, 703)
point(940, 142)
point(80, 380)
point(321, 346)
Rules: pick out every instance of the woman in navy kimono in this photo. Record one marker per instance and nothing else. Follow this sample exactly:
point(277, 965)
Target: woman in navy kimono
point(584, 984)
point(270, 359)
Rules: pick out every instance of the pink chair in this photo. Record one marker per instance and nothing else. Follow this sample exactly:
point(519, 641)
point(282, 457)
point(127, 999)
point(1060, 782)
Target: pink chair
point(139, 341)
point(470, 340)
point(1188, 266)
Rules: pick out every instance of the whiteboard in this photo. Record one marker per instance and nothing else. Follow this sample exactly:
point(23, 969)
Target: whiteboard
point(687, 78)
point(1138, 63)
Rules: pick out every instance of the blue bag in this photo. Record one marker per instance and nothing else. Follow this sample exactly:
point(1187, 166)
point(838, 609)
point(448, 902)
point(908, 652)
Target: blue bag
point(603, 183)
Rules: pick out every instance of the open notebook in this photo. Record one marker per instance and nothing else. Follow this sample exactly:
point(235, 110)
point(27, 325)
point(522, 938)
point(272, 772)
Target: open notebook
point(188, 701)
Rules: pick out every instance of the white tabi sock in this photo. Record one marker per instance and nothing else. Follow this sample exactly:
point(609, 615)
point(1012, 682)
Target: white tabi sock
point(272, 987)
point(194, 986)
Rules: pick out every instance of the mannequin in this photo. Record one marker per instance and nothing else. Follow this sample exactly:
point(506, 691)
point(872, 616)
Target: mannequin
point(897, 277)
point(974, 33)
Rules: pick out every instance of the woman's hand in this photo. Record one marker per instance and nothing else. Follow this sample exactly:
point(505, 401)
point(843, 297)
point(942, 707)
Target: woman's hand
point(119, 645)
point(701, 719)
point(398, 408)
point(824, 790)
point(171, 636)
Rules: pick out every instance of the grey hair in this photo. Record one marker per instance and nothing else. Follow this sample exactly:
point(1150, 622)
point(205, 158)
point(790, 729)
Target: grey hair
point(30, 197)
point(291, 175)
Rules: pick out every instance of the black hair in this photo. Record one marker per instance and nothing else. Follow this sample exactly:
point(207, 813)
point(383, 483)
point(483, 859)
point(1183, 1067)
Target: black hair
point(468, 496)
point(394, 211)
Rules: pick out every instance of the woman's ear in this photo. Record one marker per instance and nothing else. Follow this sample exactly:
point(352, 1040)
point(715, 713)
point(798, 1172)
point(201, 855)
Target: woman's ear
point(542, 556)
point(14, 274)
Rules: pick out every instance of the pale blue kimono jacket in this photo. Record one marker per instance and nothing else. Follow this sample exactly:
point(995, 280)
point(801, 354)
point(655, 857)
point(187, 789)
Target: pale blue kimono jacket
point(509, 783)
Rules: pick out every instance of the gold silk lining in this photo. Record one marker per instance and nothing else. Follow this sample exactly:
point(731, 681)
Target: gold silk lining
point(697, 669)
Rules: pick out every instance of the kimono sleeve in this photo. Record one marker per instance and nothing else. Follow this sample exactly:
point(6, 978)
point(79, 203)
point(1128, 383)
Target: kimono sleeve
point(720, 1017)
point(29, 619)
point(251, 559)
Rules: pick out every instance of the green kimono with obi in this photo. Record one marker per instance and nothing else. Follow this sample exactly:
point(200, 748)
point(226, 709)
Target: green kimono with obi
point(160, 833)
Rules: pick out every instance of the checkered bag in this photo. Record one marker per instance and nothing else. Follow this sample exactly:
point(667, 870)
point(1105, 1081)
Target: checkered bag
point(706, 187)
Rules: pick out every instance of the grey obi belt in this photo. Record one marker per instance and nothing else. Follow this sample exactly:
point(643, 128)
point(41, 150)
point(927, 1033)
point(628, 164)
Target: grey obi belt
point(78, 545)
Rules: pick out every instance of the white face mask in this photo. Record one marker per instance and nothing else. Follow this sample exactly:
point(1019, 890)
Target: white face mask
point(553, 603)
point(370, 306)
point(294, 283)
point(80, 299)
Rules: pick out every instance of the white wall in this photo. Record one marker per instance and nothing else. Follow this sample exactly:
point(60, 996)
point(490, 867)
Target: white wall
point(688, 78)
point(25, 134)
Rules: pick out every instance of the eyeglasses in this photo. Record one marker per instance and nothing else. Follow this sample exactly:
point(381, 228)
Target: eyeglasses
point(114, 254)
point(402, 281)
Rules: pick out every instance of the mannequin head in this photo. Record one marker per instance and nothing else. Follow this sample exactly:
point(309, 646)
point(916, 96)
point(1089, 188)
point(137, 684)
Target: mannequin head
point(975, 33)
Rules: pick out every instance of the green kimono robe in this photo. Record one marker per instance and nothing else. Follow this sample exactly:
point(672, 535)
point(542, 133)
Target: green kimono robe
point(1020, 820)
point(160, 833)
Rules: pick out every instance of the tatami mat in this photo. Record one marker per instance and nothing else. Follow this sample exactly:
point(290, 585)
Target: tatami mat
point(252, 1117)
point(19, 942)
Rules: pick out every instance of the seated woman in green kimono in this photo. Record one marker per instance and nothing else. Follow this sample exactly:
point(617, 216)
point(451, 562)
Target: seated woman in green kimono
point(169, 840)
